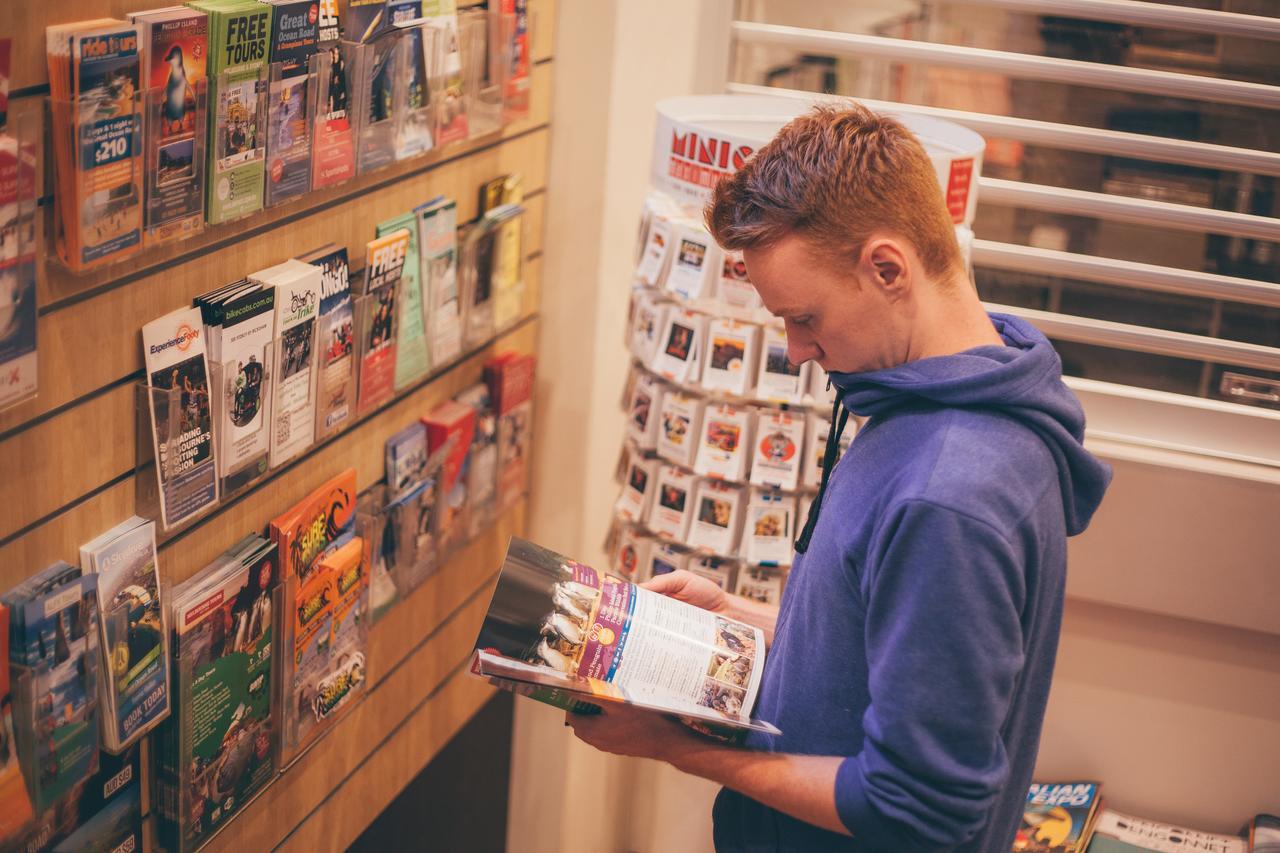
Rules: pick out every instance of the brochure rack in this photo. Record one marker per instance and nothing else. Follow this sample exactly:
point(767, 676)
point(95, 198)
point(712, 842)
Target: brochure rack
point(175, 163)
point(242, 394)
point(18, 222)
point(98, 203)
point(415, 119)
point(192, 493)
point(491, 272)
point(291, 123)
point(486, 41)
point(333, 157)
point(375, 67)
point(239, 146)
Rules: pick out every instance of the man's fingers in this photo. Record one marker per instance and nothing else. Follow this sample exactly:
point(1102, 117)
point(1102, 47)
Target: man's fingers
point(666, 584)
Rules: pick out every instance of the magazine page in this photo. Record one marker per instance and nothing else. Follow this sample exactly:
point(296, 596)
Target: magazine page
point(569, 623)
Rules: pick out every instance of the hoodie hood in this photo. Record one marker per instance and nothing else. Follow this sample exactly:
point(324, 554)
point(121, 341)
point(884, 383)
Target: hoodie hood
point(1022, 379)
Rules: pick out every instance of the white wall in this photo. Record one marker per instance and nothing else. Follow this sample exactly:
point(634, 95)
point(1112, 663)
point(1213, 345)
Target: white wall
point(613, 61)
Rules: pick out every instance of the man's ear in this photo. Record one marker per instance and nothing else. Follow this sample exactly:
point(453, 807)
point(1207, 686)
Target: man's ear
point(885, 264)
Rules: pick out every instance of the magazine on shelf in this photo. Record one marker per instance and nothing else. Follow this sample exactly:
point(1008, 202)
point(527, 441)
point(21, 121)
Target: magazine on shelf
point(770, 528)
point(510, 377)
point(758, 583)
point(679, 425)
point(293, 413)
point(1058, 816)
point(778, 380)
point(562, 633)
point(452, 425)
point(667, 557)
point(1114, 832)
point(695, 262)
point(412, 351)
point(438, 241)
point(631, 553)
point(95, 74)
point(725, 442)
point(717, 516)
point(181, 423)
point(679, 353)
point(648, 319)
point(175, 44)
point(776, 456)
point(735, 287)
point(333, 146)
point(239, 46)
point(643, 411)
point(54, 668)
point(376, 319)
point(295, 38)
point(672, 504)
point(335, 360)
point(638, 488)
point(241, 327)
point(721, 571)
point(482, 467)
point(733, 348)
point(18, 353)
point(219, 746)
point(15, 802)
point(132, 632)
point(413, 136)
point(451, 102)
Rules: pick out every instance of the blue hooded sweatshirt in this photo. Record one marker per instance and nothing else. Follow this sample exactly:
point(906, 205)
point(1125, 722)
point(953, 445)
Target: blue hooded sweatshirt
point(917, 634)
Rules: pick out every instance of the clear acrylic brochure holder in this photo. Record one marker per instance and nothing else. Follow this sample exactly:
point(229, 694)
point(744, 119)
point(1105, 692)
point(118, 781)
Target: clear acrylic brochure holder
point(176, 135)
point(291, 123)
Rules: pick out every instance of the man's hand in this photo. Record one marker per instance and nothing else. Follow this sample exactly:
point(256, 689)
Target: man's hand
point(690, 588)
point(623, 730)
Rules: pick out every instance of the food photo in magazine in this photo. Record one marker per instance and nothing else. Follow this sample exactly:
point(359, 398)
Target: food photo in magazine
point(565, 634)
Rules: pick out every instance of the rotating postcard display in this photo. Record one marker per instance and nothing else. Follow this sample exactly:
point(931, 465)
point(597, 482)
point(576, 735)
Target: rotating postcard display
point(725, 436)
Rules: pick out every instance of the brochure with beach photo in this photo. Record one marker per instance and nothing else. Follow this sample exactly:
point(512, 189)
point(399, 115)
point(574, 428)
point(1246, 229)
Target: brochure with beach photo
point(565, 634)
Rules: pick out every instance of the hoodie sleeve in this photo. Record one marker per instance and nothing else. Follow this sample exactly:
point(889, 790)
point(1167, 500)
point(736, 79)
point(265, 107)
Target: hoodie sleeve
point(944, 639)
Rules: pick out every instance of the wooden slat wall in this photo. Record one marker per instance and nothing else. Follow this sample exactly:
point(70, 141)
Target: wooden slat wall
point(67, 458)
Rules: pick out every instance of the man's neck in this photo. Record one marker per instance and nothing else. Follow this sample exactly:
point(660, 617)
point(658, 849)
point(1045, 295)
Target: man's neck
point(950, 319)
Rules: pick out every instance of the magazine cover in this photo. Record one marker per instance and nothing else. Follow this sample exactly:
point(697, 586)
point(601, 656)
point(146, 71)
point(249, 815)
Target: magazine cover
point(15, 804)
point(135, 679)
point(306, 530)
point(377, 315)
point(335, 363)
point(104, 214)
point(239, 48)
point(293, 413)
point(333, 148)
point(176, 47)
point(777, 458)
point(295, 33)
point(181, 425)
point(1057, 818)
point(218, 749)
point(54, 642)
point(18, 355)
point(1114, 832)
point(438, 238)
point(412, 354)
point(565, 634)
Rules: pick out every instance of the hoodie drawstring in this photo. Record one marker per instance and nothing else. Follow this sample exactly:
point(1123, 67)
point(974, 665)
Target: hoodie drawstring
point(839, 417)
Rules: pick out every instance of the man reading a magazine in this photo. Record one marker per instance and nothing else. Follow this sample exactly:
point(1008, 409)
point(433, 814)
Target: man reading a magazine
point(910, 660)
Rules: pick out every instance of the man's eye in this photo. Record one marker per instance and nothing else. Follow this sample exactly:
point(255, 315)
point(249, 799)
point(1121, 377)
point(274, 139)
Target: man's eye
point(803, 319)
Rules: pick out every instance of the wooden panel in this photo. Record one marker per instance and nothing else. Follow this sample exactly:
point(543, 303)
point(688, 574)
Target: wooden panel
point(69, 368)
point(60, 537)
point(376, 783)
point(413, 650)
point(30, 17)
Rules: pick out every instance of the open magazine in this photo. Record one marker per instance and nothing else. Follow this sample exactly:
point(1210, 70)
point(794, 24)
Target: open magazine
point(562, 633)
